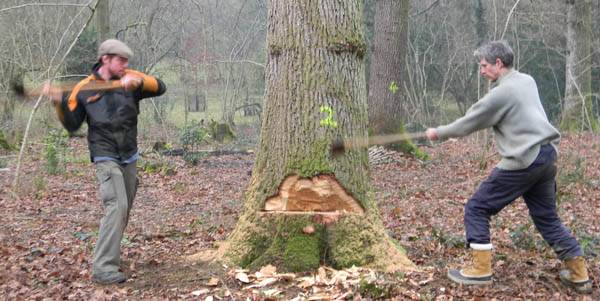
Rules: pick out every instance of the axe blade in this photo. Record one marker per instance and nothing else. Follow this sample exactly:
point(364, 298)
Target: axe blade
point(17, 87)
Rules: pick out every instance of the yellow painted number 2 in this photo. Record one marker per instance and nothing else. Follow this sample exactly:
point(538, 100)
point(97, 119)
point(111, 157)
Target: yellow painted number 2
point(328, 121)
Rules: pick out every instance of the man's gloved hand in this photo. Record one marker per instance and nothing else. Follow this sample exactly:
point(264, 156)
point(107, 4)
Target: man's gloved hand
point(130, 82)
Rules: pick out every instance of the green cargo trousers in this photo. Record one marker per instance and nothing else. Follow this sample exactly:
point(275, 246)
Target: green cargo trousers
point(118, 185)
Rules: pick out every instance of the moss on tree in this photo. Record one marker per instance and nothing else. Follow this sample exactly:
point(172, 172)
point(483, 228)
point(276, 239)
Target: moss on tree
point(302, 252)
point(291, 249)
point(313, 164)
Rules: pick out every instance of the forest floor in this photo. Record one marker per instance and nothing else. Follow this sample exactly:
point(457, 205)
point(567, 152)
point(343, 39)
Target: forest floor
point(47, 234)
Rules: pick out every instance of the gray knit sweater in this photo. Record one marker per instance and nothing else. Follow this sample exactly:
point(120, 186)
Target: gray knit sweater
point(514, 110)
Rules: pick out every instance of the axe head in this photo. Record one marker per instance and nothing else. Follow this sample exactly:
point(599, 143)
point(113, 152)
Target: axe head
point(16, 85)
point(337, 147)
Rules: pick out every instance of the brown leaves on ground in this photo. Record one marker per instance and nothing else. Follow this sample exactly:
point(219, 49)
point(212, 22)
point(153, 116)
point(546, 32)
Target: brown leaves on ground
point(47, 236)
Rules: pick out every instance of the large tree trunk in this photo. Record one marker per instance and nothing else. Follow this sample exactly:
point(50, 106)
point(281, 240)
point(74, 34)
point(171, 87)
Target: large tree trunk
point(102, 21)
point(387, 66)
point(577, 109)
point(303, 207)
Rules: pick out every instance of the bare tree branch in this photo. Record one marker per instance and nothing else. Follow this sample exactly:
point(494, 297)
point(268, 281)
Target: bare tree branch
point(432, 5)
point(42, 4)
point(243, 61)
point(512, 10)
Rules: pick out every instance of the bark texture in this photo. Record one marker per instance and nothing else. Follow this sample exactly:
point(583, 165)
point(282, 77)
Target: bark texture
point(577, 108)
point(315, 91)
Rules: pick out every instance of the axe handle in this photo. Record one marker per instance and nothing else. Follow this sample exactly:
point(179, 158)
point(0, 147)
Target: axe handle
point(97, 86)
point(351, 143)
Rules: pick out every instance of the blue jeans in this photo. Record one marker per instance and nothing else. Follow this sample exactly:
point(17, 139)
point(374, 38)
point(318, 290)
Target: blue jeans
point(537, 185)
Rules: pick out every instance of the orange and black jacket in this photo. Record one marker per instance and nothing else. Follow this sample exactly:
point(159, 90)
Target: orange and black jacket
point(111, 115)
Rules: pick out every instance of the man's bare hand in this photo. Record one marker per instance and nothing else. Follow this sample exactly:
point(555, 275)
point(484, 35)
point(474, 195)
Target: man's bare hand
point(431, 134)
point(52, 92)
point(130, 82)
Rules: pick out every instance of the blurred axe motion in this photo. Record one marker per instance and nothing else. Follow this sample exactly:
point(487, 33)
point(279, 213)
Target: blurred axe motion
point(340, 146)
point(19, 88)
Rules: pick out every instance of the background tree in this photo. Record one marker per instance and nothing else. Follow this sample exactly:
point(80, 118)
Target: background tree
point(303, 206)
point(152, 32)
point(385, 94)
point(103, 20)
point(578, 110)
point(596, 58)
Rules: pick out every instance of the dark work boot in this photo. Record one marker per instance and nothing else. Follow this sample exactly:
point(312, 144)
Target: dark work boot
point(108, 277)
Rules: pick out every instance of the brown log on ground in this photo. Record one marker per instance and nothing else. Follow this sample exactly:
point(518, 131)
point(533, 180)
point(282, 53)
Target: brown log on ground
point(303, 207)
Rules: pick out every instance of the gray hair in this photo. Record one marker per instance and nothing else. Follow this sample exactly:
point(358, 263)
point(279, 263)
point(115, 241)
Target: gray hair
point(496, 50)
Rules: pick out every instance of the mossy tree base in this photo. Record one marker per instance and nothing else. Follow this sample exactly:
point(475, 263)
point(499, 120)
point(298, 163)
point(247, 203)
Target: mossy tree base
point(299, 240)
point(340, 242)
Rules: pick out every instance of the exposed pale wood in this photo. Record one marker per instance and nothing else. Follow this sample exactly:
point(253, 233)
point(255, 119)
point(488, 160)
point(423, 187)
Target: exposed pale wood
point(319, 194)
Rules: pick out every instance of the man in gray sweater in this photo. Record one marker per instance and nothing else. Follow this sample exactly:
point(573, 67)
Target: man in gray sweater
point(528, 144)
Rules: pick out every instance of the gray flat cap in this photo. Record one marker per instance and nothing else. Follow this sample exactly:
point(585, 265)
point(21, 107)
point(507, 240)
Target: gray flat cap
point(112, 46)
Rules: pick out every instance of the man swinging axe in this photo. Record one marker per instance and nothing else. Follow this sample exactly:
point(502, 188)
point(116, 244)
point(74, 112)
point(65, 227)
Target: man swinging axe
point(108, 100)
point(528, 144)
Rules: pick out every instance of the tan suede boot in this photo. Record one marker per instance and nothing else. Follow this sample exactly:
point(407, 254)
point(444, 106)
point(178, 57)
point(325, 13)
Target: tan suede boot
point(576, 276)
point(479, 272)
